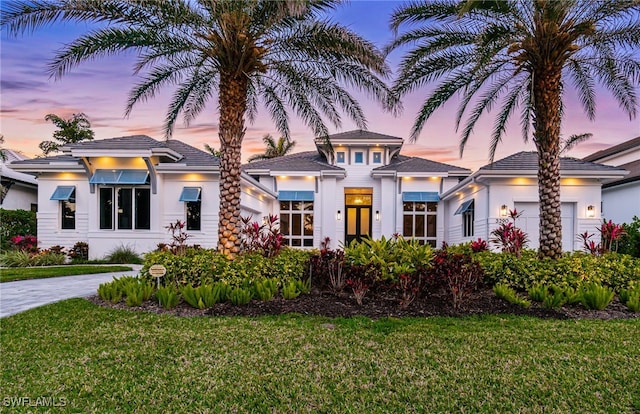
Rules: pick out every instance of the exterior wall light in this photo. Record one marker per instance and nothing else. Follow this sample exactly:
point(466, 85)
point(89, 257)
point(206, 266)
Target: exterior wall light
point(591, 211)
point(338, 215)
point(504, 210)
point(377, 215)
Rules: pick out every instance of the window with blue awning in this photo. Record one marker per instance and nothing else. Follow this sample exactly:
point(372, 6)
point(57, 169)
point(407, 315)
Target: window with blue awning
point(122, 177)
point(190, 194)
point(420, 196)
point(295, 195)
point(64, 193)
point(466, 206)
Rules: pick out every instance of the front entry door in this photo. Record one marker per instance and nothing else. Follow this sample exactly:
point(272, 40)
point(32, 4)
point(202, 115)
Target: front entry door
point(358, 223)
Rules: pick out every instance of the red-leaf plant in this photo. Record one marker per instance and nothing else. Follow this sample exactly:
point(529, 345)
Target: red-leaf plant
point(508, 237)
point(179, 237)
point(264, 238)
point(610, 235)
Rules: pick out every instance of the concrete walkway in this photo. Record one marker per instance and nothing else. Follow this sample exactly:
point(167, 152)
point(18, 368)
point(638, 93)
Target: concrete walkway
point(21, 295)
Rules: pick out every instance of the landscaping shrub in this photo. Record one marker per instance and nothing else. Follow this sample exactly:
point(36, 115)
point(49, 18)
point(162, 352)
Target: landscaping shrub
point(630, 242)
point(290, 290)
point(24, 258)
point(595, 296)
point(631, 297)
point(168, 297)
point(110, 292)
point(460, 274)
point(264, 238)
point(327, 268)
point(123, 254)
point(27, 243)
point(508, 237)
point(572, 270)
point(265, 289)
point(506, 293)
point(194, 267)
point(79, 253)
point(610, 236)
point(15, 223)
point(240, 296)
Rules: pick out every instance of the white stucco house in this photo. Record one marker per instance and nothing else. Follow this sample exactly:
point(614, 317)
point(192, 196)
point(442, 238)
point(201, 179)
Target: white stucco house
point(357, 185)
point(126, 190)
point(18, 191)
point(621, 198)
point(477, 205)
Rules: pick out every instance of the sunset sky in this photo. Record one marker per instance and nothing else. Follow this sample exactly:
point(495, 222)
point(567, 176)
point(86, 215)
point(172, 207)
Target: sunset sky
point(100, 90)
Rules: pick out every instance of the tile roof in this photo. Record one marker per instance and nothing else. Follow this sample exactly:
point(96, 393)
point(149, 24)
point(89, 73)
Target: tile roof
point(191, 155)
point(634, 174)
point(529, 161)
point(47, 160)
point(301, 161)
point(632, 143)
point(403, 163)
point(131, 142)
point(360, 134)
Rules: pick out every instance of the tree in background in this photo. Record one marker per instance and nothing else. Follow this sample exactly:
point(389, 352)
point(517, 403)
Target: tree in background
point(282, 54)
point(72, 130)
point(274, 149)
point(520, 55)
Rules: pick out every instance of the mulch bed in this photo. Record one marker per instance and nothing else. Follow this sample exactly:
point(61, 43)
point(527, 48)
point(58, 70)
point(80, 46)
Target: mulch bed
point(385, 304)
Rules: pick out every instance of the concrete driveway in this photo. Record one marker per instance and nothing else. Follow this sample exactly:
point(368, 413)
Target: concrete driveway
point(27, 294)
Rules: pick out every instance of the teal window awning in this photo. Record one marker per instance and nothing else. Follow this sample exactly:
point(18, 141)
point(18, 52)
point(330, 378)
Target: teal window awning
point(420, 196)
point(466, 206)
point(190, 194)
point(64, 193)
point(131, 177)
point(295, 195)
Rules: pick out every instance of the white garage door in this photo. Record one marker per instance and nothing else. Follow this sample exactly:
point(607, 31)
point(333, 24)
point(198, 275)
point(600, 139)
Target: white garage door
point(530, 220)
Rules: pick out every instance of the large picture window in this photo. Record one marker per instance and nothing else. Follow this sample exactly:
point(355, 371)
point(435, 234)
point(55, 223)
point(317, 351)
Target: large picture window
point(130, 206)
point(419, 221)
point(296, 223)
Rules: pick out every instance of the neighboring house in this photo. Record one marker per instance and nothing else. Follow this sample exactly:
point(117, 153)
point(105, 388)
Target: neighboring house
point(18, 191)
point(126, 190)
point(357, 185)
point(476, 206)
point(621, 198)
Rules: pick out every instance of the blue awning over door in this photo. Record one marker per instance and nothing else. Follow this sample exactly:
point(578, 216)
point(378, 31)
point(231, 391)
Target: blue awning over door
point(420, 196)
point(190, 194)
point(64, 193)
point(295, 195)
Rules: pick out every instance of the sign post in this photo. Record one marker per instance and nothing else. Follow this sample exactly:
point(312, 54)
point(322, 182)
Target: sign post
point(157, 271)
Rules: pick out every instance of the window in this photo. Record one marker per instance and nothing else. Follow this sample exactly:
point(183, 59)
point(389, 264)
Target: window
point(467, 220)
point(419, 221)
point(359, 157)
point(131, 208)
point(468, 216)
point(296, 223)
point(377, 157)
point(66, 195)
point(191, 196)
point(340, 157)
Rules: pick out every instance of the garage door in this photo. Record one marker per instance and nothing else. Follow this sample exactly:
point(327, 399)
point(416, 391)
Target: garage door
point(530, 220)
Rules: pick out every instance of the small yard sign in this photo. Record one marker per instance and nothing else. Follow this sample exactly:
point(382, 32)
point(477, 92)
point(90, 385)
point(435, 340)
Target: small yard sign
point(157, 270)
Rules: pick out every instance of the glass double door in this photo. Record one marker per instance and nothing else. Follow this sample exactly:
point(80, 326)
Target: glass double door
point(358, 219)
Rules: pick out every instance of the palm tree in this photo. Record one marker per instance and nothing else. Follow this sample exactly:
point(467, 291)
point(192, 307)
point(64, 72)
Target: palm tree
point(520, 55)
point(274, 149)
point(72, 130)
point(279, 54)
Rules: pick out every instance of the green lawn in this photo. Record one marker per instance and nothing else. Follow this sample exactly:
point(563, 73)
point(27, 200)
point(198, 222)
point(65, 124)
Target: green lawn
point(104, 360)
point(23, 273)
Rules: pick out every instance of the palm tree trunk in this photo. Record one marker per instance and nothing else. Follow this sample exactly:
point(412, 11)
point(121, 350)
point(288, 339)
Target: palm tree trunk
point(547, 101)
point(233, 104)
